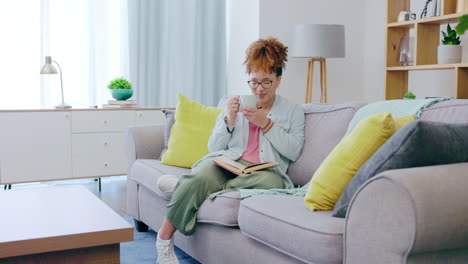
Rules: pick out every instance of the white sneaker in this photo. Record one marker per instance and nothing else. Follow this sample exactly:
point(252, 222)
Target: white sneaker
point(166, 253)
point(167, 183)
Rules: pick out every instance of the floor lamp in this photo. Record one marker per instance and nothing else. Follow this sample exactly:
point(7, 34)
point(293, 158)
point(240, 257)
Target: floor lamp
point(318, 43)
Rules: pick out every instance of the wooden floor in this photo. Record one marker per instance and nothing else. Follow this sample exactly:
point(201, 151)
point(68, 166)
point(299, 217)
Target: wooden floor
point(113, 190)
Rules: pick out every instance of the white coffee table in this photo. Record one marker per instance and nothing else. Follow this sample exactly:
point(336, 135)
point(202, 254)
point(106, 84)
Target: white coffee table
point(65, 224)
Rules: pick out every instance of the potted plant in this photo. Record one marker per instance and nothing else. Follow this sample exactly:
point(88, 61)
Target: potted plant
point(462, 25)
point(121, 89)
point(450, 51)
point(409, 95)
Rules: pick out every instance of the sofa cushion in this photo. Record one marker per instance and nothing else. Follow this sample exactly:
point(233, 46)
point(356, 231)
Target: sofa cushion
point(452, 111)
point(347, 157)
point(193, 125)
point(325, 125)
point(147, 172)
point(170, 120)
point(421, 143)
point(284, 223)
point(223, 210)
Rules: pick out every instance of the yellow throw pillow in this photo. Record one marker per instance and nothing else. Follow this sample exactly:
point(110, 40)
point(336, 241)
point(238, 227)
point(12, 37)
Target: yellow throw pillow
point(402, 121)
point(193, 125)
point(346, 158)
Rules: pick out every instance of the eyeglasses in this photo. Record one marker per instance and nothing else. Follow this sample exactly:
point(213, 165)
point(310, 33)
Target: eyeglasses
point(266, 84)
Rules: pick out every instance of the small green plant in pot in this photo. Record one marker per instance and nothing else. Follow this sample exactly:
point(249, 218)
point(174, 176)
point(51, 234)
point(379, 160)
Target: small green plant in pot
point(121, 89)
point(462, 25)
point(450, 51)
point(409, 95)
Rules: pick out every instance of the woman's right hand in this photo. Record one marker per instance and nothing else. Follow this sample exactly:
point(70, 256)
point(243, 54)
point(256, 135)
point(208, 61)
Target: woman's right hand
point(233, 106)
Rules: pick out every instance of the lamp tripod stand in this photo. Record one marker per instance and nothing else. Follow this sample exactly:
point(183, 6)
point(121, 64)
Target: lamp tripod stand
point(318, 42)
point(323, 80)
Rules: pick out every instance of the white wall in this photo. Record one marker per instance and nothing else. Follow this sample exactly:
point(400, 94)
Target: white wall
point(243, 29)
point(359, 76)
point(374, 47)
point(344, 76)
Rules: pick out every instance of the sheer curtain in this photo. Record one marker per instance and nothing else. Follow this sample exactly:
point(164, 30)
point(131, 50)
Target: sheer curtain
point(20, 51)
point(177, 46)
point(174, 46)
point(86, 37)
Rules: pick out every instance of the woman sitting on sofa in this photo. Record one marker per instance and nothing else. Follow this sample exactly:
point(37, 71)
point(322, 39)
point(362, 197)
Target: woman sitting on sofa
point(273, 131)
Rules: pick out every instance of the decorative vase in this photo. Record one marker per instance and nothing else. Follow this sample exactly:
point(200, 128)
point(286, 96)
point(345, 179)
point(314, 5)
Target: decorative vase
point(447, 54)
point(121, 94)
point(406, 47)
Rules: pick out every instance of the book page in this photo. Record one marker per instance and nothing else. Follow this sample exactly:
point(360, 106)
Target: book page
point(260, 166)
point(255, 165)
point(231, 162)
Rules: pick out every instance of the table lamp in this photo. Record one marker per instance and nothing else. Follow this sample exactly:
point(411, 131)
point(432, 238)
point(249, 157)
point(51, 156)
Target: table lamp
point(318, 42)
point(48, 68)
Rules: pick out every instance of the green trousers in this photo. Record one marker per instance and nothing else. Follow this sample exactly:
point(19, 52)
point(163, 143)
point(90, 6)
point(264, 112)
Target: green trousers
point(205, 179)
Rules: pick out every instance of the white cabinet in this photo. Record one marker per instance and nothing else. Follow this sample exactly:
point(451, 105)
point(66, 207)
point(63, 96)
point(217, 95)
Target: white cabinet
point(101, 121)
point(53, 144)
point(146, 117)
point(98, 154)
point(35, 146)
point(98, 140)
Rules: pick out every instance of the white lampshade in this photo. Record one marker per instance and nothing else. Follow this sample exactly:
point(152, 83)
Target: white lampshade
point(48, 68)
point(318, 41)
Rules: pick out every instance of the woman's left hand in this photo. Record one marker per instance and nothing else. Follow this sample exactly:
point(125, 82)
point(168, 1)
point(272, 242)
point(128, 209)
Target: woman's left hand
point(256, 116)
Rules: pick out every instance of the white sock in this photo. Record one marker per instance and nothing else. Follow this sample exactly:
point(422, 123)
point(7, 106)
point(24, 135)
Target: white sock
point(163, 241)
point(167, 183)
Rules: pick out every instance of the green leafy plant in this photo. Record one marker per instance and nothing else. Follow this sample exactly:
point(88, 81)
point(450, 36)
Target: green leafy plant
point(450, 37)
point(120, 83)
point(409, 95)
point(462, 25)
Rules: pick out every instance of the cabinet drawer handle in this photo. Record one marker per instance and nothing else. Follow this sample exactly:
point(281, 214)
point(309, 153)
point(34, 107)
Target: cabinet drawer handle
point(105, 143)
point(140, 114)
point(105, 164)
point(105, 121)
point(67, 115)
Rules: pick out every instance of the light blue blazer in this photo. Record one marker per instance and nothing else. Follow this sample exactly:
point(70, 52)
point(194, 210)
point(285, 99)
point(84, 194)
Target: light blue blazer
point(282, 144)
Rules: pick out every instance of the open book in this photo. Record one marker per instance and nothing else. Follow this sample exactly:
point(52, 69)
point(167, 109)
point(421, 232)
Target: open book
point(238, 168)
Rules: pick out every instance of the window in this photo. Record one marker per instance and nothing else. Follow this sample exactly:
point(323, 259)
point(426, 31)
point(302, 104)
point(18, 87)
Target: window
point(87, 38)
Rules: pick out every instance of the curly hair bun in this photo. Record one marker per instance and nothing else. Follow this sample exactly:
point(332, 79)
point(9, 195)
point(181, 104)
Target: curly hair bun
point(268, 55)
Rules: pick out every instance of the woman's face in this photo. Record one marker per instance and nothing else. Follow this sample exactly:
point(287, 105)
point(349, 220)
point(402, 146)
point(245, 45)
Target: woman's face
point(266, 85)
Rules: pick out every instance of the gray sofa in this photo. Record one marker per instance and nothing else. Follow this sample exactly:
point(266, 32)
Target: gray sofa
point(417, 215)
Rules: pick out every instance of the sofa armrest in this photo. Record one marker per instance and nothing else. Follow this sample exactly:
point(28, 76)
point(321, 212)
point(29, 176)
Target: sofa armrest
point(144, 142)
point(408, 211)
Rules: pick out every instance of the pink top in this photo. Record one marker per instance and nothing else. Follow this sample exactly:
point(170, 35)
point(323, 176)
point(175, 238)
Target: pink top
point(251, 154)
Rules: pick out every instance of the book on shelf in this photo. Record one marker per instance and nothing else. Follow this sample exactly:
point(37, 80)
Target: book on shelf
point(121, 102)
point(123, 106)
point(237, 168)
point(433, 8)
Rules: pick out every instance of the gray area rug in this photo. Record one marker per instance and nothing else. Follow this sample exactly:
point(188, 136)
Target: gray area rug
point(142, 250)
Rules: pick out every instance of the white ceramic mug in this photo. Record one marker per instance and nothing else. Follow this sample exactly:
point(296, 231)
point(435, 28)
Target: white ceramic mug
point(248, 101)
